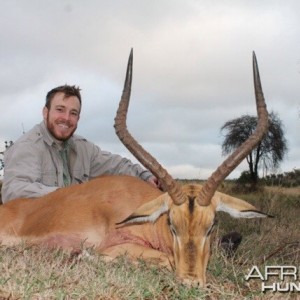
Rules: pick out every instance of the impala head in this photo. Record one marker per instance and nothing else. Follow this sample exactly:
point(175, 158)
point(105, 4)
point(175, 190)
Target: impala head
point(191, 209)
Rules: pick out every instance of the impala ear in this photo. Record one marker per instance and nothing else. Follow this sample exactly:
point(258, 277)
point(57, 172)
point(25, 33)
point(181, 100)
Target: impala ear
point(150, 211)
point(237, 208)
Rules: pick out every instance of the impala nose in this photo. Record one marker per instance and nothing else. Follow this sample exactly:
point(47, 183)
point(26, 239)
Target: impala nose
point(193, 282)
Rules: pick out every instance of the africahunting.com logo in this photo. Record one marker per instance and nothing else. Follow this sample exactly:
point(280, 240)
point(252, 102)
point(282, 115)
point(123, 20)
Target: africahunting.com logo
point(284, 279)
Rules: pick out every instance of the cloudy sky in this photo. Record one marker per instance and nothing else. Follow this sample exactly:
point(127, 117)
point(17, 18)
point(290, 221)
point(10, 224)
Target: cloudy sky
point(192, 71)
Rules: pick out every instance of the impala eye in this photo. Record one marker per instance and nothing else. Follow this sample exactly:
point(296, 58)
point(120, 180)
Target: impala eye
point(210, 230)
point(171, 226)
point(172, 229)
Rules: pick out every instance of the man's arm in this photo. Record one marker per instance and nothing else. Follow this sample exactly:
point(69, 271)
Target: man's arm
point(104, 162)
point(22, 173)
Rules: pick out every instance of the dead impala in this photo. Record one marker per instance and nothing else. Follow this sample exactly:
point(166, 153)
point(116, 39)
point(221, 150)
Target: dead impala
point(122, 214)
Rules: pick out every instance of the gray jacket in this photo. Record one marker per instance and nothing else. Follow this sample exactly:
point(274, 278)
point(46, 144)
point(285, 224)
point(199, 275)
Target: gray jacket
point(34, 167)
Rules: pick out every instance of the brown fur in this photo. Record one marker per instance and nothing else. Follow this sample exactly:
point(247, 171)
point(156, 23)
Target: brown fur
point(89, 214)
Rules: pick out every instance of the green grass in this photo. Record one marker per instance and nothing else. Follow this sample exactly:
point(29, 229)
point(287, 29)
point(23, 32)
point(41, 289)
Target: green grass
point(39, 273)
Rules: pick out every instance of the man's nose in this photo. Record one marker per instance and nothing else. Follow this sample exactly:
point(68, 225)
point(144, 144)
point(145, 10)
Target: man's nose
point(67, 116)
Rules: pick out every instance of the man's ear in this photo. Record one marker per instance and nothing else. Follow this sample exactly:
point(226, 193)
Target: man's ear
point(150, 211)
point(45, 112)
point(237, 208)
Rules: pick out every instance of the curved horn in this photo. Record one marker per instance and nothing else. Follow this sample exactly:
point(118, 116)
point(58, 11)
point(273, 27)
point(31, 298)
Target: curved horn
point(149, 162)
point(243, 150)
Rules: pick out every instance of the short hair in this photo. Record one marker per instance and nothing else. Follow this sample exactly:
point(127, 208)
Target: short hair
point(68, 90)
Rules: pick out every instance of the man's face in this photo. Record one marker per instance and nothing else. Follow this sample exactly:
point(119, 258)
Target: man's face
point(62, 117)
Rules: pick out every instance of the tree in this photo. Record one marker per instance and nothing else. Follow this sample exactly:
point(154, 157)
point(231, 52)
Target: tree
point(269, 152)
point(7, 145)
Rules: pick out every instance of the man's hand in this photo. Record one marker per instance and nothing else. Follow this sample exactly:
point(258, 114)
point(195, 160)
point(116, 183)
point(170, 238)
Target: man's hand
point(155, 182)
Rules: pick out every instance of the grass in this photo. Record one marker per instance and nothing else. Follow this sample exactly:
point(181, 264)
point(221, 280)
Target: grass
point(30, 273)
point(39, 273)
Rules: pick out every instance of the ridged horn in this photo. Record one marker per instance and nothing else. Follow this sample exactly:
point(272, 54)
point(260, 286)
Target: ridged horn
point(146, 159)
point(243, 150)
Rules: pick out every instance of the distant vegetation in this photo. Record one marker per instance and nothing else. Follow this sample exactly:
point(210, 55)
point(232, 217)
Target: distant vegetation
point(244, 182)
point(286, 179)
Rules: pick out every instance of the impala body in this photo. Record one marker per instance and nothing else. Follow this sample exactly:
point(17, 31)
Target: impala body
point(125, 215)
point(88, 213)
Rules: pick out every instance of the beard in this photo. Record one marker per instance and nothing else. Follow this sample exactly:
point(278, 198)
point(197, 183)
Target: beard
point(60, 130)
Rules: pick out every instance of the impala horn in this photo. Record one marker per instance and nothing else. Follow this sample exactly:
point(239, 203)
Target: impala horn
point(244, 149)
point(146, 159)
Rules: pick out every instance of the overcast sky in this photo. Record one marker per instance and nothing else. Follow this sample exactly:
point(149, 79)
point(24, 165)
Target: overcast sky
point(192, 71)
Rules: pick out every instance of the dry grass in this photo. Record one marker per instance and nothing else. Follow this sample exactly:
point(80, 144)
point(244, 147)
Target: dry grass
point(293, 191)
point(37, 273)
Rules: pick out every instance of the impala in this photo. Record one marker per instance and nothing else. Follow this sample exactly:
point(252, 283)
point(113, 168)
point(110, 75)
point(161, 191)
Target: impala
point(125, 215)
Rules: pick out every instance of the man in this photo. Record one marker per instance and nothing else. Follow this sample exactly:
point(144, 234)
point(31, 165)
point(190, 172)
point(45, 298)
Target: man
point(51, 156)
